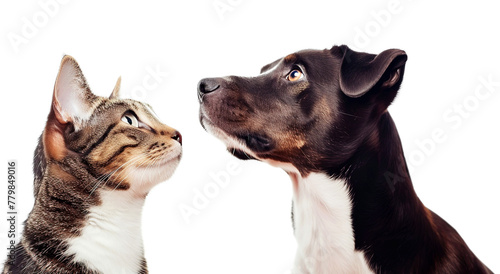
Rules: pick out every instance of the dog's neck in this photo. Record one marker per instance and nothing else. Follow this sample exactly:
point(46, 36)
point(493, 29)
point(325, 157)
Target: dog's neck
point(381, 188)
point(368, 208)
point(386, 210)
point(322, 214)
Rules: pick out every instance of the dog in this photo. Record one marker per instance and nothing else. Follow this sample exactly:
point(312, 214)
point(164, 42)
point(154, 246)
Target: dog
point(321, 115)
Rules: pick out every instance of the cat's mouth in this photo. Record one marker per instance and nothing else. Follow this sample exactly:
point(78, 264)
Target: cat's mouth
point(162, 168)
point(170, 158)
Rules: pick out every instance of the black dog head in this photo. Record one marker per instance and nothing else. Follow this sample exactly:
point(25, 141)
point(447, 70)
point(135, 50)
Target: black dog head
point(312, 109)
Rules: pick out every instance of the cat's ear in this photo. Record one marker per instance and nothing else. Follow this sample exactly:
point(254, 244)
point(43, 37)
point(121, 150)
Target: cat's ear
point(72, 100)
point(72, 103)
point(116, 90)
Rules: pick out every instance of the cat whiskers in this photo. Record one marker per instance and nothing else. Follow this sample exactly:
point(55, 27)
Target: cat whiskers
point(155, 162)
point(144, 170)
point(144, 155)
point(142, 160)
point(103, 179)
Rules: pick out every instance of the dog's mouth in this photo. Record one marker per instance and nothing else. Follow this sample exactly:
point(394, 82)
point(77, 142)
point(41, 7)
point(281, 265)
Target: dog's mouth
point(242, 145)
point(256, 142)
point(240, 141)
point(240, 154)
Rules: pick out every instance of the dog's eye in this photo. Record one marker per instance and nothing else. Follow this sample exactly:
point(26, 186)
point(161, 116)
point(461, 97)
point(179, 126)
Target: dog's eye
point(294, 75)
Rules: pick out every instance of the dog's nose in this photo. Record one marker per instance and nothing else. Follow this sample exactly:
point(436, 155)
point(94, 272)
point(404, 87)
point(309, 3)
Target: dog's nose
point(208, 85)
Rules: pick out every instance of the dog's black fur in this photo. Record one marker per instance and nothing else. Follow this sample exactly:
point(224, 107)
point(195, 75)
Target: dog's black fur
point(334, 120)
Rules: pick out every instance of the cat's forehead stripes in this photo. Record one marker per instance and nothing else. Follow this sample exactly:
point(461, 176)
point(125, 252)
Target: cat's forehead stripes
point(146, 114)
point(144, 111)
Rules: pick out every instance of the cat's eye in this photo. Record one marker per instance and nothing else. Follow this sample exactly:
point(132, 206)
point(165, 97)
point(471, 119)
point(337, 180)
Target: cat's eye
point(294, 75)
point(130, 119)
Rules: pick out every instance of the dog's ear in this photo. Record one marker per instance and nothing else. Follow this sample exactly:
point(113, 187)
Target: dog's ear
point(360, 72)
point(269, 66)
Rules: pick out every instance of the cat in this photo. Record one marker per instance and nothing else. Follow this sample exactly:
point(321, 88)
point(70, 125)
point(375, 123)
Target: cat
point(95, 162)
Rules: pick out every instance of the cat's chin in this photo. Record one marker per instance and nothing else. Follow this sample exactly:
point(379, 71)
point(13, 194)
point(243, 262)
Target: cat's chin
point(143, 179)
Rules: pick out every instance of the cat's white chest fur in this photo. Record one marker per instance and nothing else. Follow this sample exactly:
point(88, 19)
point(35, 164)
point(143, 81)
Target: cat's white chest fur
point(111, 240)
point(323, 227)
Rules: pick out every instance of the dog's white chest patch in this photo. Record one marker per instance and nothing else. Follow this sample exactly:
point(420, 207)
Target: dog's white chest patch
point(111, 240)
point(323, 227)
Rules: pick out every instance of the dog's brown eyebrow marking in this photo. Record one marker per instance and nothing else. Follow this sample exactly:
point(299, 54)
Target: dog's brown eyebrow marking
point(300, 87)
point(290, 58)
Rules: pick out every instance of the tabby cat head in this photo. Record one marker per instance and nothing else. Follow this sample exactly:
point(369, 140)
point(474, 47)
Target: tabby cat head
point(119, 141)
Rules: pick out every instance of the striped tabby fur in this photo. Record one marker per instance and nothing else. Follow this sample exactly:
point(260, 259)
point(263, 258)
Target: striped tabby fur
point(96, 161)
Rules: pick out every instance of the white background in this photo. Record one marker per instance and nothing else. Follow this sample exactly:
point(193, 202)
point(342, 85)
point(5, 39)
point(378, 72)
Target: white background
point(245, 227)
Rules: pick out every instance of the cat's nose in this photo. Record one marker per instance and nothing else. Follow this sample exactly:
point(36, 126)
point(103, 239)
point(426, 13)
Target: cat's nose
point(177, 136)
